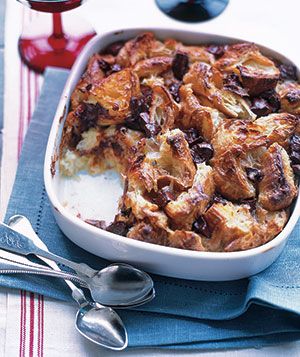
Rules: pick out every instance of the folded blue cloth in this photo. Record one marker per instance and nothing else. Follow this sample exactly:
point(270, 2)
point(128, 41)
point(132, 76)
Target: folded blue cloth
point(261, 310)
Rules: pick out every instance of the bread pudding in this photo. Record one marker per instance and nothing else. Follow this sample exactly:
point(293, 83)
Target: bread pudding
point(205, 137)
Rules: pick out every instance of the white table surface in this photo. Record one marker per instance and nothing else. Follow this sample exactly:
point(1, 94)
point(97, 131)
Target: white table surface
point(274, 23)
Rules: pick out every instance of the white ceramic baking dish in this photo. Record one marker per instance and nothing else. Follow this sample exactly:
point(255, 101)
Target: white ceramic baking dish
point(93, 196)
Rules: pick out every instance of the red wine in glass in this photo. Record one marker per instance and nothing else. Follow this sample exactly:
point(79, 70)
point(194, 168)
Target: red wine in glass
point(57, 49)
point(192, 10)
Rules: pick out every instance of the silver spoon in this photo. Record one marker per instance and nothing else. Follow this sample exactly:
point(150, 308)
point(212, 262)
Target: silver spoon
point(100, 324)
point(13, 267)
point(118, 285)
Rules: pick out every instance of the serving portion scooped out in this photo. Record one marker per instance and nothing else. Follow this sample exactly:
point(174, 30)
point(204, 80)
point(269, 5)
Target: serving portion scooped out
point(207, 139)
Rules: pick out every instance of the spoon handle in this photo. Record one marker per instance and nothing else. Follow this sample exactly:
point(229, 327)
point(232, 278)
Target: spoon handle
point(22, 225)
point(14, 269)
point(18, 243)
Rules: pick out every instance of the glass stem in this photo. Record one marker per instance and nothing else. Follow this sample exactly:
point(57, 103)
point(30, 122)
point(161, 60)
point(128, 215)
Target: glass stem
point(58, 40)
point(57, 26)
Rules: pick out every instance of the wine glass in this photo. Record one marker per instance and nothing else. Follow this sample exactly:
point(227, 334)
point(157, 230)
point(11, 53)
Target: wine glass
point(192, 10)
point(58, 49)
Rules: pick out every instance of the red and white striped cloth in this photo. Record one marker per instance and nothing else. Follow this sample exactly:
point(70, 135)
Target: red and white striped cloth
point(31, 306)
point(34, 326)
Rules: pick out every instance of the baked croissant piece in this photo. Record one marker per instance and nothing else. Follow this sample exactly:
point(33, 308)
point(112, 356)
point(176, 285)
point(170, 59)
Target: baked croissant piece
point(289, 94)
point(206, 138)
point(256, 72)
point(207, 84)
point(235, 227)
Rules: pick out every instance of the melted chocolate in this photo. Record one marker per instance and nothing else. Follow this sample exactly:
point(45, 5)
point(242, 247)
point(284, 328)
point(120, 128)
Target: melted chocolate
point(202, 152)
point(163, 197)
point(233, 84)
point(192, 136)
point(216, 50)
point(288, 72)
point(200, 226)
point(113, 48)
point(253, 174)
point(119, 228)
point(180, 65)
point(266, 103)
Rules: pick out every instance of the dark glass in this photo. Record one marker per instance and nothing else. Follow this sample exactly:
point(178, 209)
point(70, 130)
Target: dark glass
point(192, 10)
point(58, 49)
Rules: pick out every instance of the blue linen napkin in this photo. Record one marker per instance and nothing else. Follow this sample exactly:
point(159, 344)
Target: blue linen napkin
point(254, 312)
point(2, 14)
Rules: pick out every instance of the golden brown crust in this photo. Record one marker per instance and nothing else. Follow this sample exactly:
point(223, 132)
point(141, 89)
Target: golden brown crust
point(257, 72)
point(207, 83)
point(186, 240)
point(191, 204)
point(152, 66)
point(164, 110)
point(193, 115)
point(114, 94)
point(227, 223)
point(289, 94)
point(201, 171)
point(279, 127)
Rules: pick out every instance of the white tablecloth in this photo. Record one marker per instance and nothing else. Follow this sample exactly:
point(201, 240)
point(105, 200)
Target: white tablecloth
point(31, 325)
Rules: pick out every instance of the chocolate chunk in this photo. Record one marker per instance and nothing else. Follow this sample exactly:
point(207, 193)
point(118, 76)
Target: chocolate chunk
point(216, 50)
point(279, 181)
point(140, 104)
point(140, 118)
point(260, 107)
point(293, 96)
point(119, 228)
point(88, 87)
point(75, 138)
point(253, 174)
point(96, 223)
point(273, 98)
point(295, 150)
point(200, 226)
point(256, 83)
point(219, 199)
point(233, 84)
point(202, 152)
point(113, 48)
point(288, 72)
point(295, 142)
point(250, 202)
point(163, 197)
point(126, 211)
point(105, 66)
point(133, 123)
point(117, 148)
point(88, 114)
point(142, 122)
point(192, 136)
point(295, 157)
point(296, 169)
point(147, 95)
point(174, 90)
point(149, 128)
point(266, 103)
point(180, 65)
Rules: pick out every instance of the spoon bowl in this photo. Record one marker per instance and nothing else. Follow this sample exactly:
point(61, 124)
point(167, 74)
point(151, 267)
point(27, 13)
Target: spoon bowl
point(121, 284)
point(92, 322)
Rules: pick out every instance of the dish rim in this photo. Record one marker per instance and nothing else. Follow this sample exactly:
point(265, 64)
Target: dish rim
point(151, 247)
